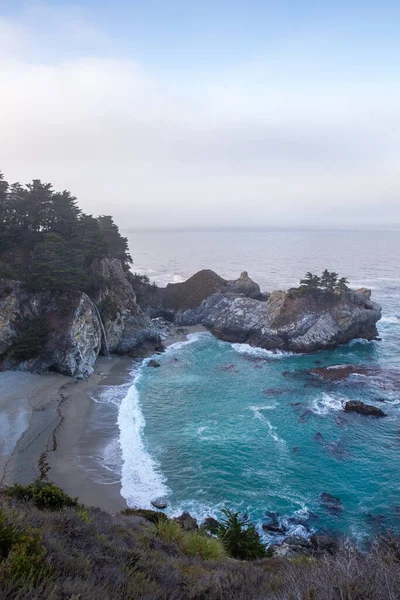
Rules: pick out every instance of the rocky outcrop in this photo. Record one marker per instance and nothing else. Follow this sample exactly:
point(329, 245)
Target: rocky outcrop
point(61, 331)
point(129, 330)
point(363, 409)
point(286, 321)
point(48, 330)
point(176, 298)
point(244, 286)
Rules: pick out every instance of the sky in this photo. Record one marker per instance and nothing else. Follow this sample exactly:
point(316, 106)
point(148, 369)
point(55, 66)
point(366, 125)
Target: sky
point(207, 114)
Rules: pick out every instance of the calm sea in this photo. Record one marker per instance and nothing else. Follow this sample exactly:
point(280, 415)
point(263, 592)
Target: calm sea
point(219, 425)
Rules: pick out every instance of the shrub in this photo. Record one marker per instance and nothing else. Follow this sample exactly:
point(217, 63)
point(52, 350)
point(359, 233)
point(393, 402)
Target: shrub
point(170, 531)
point(240, 537)
point(45, 495)
point(208, 548)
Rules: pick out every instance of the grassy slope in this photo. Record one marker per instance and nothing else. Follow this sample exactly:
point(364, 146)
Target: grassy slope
point(82, 553)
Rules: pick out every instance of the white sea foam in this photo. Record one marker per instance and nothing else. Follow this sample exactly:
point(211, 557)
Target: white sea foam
point(260, 352)
point(191, 338)
point(257, 410)
point(325, 403)
point(141, 480)
point(391, 319)
point(273, 434)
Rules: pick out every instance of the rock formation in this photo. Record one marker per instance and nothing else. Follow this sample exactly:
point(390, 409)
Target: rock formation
point(61, 331)
point(287, 322)
point(42, 331)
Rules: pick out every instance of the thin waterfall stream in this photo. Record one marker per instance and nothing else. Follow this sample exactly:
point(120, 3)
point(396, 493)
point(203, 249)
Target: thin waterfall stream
point(103, 330)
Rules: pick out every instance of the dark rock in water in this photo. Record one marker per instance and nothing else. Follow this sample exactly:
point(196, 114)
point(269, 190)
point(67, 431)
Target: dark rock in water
point(305, 416)
point(271, 528)
point(296, 449)
point(332, 504)
point(187, 522)
point(317, 362)
point(273, 392)
point(210, 524)
point(363, 409)
point(153, 363)
point(159, 503)
point(318, 437)
point(286, 373)
point(387, 379)
point(324, 543)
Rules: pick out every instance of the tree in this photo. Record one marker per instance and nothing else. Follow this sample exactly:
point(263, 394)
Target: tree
point(341, 285)
point(56, 265)
point(328, 281)
point(117, 246)
point(310, 281)
point(240, 537)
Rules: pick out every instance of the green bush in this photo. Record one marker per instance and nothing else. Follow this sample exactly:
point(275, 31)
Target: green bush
point(199, 544)
point(170, 531)
point(240, 537)
point(45, 495)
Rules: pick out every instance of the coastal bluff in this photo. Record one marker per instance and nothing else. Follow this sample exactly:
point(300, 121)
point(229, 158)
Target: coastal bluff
point(237, 311)
point(66, 330)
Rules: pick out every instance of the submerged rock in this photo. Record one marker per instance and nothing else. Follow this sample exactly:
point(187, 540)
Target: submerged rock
point(357, 375)
point(332, 504)
point(363, 409)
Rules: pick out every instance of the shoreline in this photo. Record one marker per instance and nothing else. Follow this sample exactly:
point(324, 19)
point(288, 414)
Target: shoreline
point(59, 410)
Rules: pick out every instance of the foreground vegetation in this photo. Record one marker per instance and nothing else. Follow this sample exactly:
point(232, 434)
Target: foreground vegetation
point(52, 547)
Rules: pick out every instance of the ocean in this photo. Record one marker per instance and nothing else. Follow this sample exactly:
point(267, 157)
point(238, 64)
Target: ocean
point(220, 425)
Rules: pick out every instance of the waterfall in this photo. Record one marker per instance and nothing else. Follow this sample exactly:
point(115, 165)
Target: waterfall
point(103, 330)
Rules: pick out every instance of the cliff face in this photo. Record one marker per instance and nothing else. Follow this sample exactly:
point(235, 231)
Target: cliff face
point(61, 331)
point(129, 330)
point(47, 330)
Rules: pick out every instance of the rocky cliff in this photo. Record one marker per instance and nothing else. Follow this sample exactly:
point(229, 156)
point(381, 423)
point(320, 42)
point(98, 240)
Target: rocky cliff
point(61, 330)
point(236, 311)
point(287, 322)
point(43, 331)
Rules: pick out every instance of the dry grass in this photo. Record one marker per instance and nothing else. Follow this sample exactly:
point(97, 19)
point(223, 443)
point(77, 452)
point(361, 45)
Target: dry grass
point(83, 553)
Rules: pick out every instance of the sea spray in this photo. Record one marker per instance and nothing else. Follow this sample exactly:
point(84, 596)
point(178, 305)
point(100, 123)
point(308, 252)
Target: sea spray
point(141, 480)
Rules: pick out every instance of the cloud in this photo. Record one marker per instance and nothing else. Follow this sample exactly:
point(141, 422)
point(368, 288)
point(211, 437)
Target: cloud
point(157, 151)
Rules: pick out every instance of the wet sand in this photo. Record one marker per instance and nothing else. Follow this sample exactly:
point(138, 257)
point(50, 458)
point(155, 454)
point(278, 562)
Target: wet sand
point(44, 422)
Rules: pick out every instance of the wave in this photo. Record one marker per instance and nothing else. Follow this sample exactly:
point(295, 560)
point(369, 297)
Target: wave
point(141, 479)
point(260, 352)
point(191, 338)
point(324, 404)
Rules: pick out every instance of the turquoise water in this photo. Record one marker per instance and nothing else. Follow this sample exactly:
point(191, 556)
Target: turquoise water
point(226, 428)
point(221, 425)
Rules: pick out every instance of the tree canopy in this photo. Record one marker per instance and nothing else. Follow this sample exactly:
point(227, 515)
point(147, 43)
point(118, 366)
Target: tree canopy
point(329, 281)
point(49, 243)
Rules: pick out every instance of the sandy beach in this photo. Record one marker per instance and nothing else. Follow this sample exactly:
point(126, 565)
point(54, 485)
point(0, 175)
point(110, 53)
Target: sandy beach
point(45, 424)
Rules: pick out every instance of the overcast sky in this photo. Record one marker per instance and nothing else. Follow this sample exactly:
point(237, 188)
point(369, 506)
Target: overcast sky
point(205, 113)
